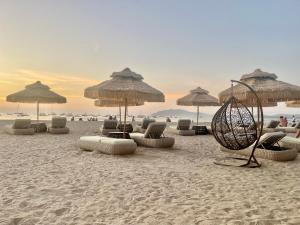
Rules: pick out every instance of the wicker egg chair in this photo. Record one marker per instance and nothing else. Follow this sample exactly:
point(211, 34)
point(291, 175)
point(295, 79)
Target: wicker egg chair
point(235, 128)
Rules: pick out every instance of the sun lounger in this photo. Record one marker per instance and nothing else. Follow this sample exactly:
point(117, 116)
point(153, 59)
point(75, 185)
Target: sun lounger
point(266, 148)
point(290, 142)
point(153, 136)
point(144, 126)
point(183, 128)
point(273, 127)
point(58, 126)
point(109, 126)
point(20, 127)
point(112, 146)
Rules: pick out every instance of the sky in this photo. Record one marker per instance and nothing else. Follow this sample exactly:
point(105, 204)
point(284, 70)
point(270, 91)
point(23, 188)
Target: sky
point(176, 46)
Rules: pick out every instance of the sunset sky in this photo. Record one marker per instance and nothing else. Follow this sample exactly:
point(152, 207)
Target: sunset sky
point(176, 45)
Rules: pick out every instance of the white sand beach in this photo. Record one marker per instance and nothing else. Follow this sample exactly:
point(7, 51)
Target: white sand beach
point(47, 179)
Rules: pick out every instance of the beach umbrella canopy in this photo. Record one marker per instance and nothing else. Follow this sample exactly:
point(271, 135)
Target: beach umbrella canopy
point(36, 93)
point(198, 97)
point(293, 104)
point(126, 86)
point(266, 86)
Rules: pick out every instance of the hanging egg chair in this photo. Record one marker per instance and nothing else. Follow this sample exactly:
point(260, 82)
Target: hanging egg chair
point(235, 128)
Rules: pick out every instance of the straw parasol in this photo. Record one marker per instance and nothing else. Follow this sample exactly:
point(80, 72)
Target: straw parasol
point(267, 87)
point(113, 103)
point(127, 86)
point(293, 104)
point(36, 93)
point(198, 97)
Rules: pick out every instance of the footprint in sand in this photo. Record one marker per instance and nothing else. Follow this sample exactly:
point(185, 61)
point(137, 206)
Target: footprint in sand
point(59, 212)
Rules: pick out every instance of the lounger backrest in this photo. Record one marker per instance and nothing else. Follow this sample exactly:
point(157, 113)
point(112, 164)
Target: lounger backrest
point(155, 130)
point(146, 123)
point(110, 124)
point(184, 124)
point(21, 124)
point(273, 124)
point(270, 139)
point(59, 122)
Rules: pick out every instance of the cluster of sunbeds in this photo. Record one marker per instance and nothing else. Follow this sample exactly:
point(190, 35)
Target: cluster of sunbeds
point(274, 143)
point(149, 134)
point(25, 127)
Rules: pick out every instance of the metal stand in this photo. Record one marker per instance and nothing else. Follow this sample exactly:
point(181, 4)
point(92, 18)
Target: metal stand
point(251, 162)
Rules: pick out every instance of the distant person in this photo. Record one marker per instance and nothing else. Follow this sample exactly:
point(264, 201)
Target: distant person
point(110, 117)
point(72, 118)
point(115, 118)
point(283, 121)
point(133, 119)
point(293, 121)
point(168, 120)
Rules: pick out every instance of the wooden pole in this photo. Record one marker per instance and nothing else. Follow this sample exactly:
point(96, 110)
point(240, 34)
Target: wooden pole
point(197, 114)
point(125, 114)
point(120, 113)
point(38, 111)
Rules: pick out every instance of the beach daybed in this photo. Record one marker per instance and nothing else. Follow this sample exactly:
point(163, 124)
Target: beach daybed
point(182, 128)
point(20, 127)
point(109, 126)
point(143, 127)
point(273, 127)
point(267, 149)
point(290, 142)
point(58, 126)
point(111, 146)
point(153, 136)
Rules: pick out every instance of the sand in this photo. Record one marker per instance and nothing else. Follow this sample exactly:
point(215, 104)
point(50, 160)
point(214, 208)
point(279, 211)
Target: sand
point(47, 179)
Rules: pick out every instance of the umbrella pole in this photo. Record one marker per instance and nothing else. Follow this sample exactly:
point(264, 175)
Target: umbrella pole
point(125, 114)
point(38, 111)
point(197, 114)
point(120, 113)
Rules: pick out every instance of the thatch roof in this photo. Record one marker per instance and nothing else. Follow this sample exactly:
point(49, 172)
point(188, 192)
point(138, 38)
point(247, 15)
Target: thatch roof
point(113, 103)
point(36, 92)
point(198, 97)
point(267, 87)
point(125, 84)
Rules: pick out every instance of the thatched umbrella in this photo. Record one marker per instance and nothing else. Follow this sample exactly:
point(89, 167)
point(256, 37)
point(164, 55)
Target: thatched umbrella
point(267, 87)
point(293, 104)
point(36, 93)
point(127, 86)
point(112, 103)
point(198, 97)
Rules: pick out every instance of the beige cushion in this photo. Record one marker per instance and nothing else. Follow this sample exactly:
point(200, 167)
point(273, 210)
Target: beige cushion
point(146, 123)
point(21, 124)
point(110, 124)
point(163, 142)
point(290, 142)
point(59, 122)
point(174, 130)
point(64, 130)
point(273, 124)
point(155, 130)
point(28, 131)
point(113, 146)
point(184, 124)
